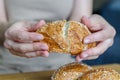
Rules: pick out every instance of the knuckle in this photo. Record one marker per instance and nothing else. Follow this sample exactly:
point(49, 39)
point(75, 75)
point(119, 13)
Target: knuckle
point(34, 46)
point(98, 16)
point(39, 46)
point(114, 31)
point(91, 51)
point(110, 42)
point(39, 53)
point(103, 37)
point(6, 45)
point(6, 34)
point(21, 49)
point(98, 36)
point(20, 36)
point(95, 15)
point(111, 30)
point(95, 51)
point(103, 34)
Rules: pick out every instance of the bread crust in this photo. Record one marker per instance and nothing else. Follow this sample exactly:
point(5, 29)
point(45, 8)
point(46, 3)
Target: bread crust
point(65, 37)
point(101, 74)
point(80, 71)
point(76, 34)
point(70, 71)
point(52, 36)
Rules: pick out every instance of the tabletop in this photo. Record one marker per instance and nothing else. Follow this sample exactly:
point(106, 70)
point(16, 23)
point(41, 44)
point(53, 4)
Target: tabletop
point(45, 75)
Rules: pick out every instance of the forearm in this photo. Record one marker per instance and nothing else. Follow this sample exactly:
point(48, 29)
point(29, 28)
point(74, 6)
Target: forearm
point(81, 8)
point(3, 21)
point(3, 17)
point(3, 28)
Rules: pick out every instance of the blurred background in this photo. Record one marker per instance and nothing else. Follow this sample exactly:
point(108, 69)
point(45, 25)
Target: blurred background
point(110, 10)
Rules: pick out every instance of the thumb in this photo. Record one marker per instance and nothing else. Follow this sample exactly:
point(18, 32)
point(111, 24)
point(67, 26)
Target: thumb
point(94, 22)
point(85, 20)
point(34, 27)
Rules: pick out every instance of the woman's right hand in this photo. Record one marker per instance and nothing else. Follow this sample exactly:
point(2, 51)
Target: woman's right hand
point(20, 40)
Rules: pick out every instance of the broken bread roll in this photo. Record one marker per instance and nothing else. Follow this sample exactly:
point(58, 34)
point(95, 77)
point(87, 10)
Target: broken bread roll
point(71, 71)
point(100, 74)
point(65, 37)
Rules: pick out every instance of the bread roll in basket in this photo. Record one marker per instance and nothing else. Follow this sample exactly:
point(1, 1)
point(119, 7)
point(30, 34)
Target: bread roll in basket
point(71, 71)
point(100, 74)
point(80, 71)
point(65, 37)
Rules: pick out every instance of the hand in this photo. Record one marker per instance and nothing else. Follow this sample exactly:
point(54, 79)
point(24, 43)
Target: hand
point(21, 37)
point(102, 33)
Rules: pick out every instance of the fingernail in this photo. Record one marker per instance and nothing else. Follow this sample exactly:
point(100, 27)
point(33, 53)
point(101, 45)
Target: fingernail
point(40, 37)
point(42, 21)
point(84, 55)
point(45, 54)
point(79, 60)
point(45, 47)
point(87, 41)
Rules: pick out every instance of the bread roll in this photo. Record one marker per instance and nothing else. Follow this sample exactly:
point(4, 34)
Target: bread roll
point(65, 37)
point(101, 74)
point(70, 71)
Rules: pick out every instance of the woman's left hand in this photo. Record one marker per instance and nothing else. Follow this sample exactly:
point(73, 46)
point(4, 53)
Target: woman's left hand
point(102, 33)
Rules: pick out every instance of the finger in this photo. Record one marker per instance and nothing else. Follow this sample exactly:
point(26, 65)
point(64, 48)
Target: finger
point(92, 26)
point(98, 36)
point(78, 59)
point(17, 53)
point(28, 26)
point(97, 19)
point(31, 54)
point(26, 47)
point(98, 50)
point(85, 21)
point(91, 58)
point(37, 54)
point(20, 31)
point(23, 36)
point(34, 27)
point(6, 45)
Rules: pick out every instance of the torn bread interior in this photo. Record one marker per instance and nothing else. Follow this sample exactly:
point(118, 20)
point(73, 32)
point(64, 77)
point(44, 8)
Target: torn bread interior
point(65, 36)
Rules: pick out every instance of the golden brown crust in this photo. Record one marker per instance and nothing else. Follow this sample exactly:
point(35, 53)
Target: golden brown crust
point(101, 74)
point(52, 36)
point(77, 71)
point(70, 71)
point(76, 34)
point(66, 37)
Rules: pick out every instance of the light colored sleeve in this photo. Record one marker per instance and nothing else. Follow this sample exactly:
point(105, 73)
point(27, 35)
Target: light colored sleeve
point(81, 8)
point(3, 17)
